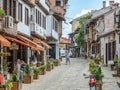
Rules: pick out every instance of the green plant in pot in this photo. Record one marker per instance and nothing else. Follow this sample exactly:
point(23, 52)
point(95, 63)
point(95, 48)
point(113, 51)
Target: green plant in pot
point(98, 75)
point(92, 65)
point(97, 59)
point(2, 12)
point(118, 66)
point(15, 82)
point(28, 77)
point(56, 61)
point(42, 69)
point(48, 66)
point(36, 73)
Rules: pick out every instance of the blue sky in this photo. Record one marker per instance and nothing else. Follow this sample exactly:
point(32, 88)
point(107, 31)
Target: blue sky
point(77, 8)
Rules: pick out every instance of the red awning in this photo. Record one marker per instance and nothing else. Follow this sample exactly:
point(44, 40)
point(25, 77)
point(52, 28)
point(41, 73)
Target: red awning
point(34, 45)
point(4, 41)
point(17, 41)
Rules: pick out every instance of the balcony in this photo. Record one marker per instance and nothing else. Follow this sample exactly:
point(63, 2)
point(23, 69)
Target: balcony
point(58, 11)
point(38, 31)
point(52, 35)
point(30, 2)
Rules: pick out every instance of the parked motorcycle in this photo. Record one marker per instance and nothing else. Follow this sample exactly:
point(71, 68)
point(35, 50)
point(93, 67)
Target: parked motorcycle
point(92, 81)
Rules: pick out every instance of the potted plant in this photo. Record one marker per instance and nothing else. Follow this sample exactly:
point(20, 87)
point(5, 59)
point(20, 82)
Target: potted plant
point(36, 73)
point(92, 65)
point(2, 13)
point(98, 75)
point(56, 62)
point(97, 59)
point(52, 64)
point(42, 69)
point(6, 86)
point(48, 66)
point(15, 82)
point(38, 64)
point(27, 77)
point(118, 66)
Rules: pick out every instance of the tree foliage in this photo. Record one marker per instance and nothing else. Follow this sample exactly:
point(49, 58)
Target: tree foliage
point(80, 36)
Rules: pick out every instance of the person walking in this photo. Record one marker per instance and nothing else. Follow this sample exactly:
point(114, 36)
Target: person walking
point(67, 57)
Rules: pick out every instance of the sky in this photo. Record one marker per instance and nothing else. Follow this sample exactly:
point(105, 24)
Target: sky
point(76, 8)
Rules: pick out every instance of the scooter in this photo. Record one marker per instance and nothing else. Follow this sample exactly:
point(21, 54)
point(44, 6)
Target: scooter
point(92, 81)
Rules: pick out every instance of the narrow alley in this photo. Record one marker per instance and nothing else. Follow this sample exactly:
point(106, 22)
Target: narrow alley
point(64, 77)
point(70, 77)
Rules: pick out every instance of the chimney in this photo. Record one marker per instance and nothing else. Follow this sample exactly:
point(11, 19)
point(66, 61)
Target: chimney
point(111, 2)
point(104, 4)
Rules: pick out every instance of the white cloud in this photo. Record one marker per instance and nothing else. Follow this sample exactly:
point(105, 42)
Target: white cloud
point(82, 12)
point(66, 30)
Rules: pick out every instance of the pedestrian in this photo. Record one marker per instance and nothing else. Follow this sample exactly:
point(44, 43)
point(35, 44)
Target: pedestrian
point(67, 57)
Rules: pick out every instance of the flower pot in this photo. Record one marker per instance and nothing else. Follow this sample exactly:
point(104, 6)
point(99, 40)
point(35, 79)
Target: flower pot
point(36, 76)
point(38, 64)
point(5, 88)
point(42, 72)
point(118, 71)
point(48, 68)
point(99, 86)
point(16, 86)
point(55, 63)
point(28, 79)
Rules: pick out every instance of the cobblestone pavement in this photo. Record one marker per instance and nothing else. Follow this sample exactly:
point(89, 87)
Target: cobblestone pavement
point(63, 77)
point(70, 77)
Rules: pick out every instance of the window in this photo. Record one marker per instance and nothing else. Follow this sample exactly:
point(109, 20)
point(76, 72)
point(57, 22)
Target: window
point(26, 16)
point(43, 21)
point(4, 5)
point(58, 3)
point(20, 12)
point(40, 19)
point(36, 16)
point(14, 9)
point(93, 49)
point(56, 26)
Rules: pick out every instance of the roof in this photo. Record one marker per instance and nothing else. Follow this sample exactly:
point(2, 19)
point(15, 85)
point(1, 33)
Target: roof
point(64, 41)
point(99, 13)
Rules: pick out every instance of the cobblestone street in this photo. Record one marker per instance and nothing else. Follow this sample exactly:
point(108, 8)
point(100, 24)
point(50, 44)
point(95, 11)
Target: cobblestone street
point(70, 77)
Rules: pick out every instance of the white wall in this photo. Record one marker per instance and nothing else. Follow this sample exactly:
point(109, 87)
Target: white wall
point(49, 26)
point(50, 31)
point(22, 27)
point(44, 4)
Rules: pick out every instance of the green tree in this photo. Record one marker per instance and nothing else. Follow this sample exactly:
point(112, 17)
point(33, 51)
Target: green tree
point(80, 36)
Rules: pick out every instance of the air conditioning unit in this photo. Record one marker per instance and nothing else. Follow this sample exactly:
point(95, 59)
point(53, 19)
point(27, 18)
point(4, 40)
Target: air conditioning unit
point(8, 22)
